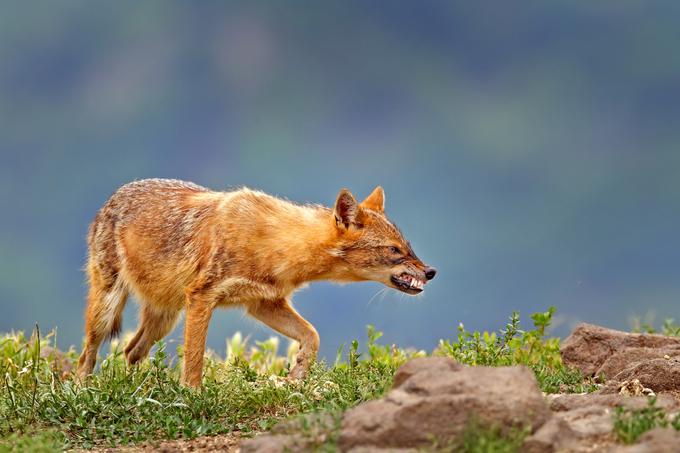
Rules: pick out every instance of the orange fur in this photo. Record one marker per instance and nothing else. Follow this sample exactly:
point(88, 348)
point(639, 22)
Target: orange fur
point(179, 246)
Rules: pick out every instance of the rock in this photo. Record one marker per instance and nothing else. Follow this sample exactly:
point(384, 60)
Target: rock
point(436, 400)
point(620, 360)
point(416, 365)
point(589, 346)
point(659, 375)
point(314, 424)
point(571, 401)
point(586, 421)
point(590, 422)
point(295, 435)
point(554, 435)
point(658, 440)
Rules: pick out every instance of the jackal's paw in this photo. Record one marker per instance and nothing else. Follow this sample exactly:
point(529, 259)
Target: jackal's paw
point(81, 379)
point(298, 372)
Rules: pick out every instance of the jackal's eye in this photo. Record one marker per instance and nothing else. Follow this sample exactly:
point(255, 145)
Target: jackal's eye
point(395, 250)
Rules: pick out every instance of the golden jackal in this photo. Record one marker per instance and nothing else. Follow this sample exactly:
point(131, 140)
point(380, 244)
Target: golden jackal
point(177, 245)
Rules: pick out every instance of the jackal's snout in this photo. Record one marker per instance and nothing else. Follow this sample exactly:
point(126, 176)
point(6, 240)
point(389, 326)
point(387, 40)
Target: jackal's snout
point(414, 278)
point(430, 272)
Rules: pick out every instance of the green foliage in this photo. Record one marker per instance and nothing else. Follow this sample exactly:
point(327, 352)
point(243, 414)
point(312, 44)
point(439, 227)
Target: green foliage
point(482, 439)
point(510, 346)
point(383, 355)
point(47, 441)
point(513, 346)
point(263, 357)
point(318, 432)
point(630, 424)
point(118, 405)
point(246, 391)
point(668, 327)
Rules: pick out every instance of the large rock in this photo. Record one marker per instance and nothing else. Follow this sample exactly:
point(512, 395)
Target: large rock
point(435, 399)
point(621, 360)
point(589, 346)
point(659, 375)
point(418, 365)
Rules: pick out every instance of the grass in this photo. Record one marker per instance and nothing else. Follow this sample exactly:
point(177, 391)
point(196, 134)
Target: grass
point(484, 439)
point(668, 328)
point(514, 346)
point(630, 424)
point(41, 407)
point(119, 406)
point(46, 441)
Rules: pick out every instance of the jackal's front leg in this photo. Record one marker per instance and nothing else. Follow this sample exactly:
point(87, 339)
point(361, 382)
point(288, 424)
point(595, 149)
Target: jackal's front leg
point(282, 317)
point(198, 312)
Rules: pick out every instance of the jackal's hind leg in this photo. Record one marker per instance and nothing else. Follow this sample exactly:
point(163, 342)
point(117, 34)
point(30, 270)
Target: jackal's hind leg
point(282, 317)
point(155, 323)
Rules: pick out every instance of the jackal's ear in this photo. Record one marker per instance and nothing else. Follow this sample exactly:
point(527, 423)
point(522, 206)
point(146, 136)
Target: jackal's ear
point(376, 200)
point(346, 210)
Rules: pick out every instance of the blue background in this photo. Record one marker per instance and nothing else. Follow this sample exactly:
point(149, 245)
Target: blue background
point(529, 150)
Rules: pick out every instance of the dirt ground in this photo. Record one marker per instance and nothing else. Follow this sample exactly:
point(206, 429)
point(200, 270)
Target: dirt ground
point(224, 443)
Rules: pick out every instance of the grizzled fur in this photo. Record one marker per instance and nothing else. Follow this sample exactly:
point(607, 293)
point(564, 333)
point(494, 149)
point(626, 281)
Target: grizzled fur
point(177, 245)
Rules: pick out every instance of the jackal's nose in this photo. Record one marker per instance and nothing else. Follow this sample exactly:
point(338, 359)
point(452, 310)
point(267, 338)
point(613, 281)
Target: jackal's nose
point(430, 272)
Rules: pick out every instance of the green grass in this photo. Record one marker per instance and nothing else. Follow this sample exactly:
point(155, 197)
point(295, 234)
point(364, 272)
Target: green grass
point(46, 441)
point(484, 439)
point(630, 424)
point(119, 406)
point(40, 408)
point(514, 346)
point(668, 328)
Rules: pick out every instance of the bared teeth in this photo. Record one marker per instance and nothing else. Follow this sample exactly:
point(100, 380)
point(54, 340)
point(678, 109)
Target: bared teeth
point(412, 282)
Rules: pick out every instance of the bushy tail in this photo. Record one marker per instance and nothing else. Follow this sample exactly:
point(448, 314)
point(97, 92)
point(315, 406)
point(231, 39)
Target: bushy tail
point(108, 310)
point(103, 320)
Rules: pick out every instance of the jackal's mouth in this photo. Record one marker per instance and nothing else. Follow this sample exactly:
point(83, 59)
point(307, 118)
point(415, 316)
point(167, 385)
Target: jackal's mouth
point(408, 283)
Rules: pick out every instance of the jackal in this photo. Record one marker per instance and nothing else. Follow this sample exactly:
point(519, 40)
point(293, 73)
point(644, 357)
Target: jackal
point(177, 245)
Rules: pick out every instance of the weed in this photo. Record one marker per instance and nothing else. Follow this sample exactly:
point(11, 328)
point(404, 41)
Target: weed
point(479, 437)
point(119, 405)
point(513, 346)
point(668, 328)
point(482, 439)
point(630, 424)
point(41, 405)
point(46, 441)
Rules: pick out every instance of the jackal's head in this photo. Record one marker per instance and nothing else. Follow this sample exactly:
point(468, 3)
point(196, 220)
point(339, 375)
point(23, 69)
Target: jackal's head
point(370, 247)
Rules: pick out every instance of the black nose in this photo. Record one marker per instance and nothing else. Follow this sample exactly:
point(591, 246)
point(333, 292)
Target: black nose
point(430, 272)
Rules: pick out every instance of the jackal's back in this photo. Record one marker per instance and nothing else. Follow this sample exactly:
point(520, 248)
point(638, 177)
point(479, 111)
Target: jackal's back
point(149, 231)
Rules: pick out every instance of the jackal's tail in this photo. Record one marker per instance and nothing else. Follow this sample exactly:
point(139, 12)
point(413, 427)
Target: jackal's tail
point(103, 320)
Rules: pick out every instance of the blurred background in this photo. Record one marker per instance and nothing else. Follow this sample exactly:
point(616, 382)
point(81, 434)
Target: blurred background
point(529, 150)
